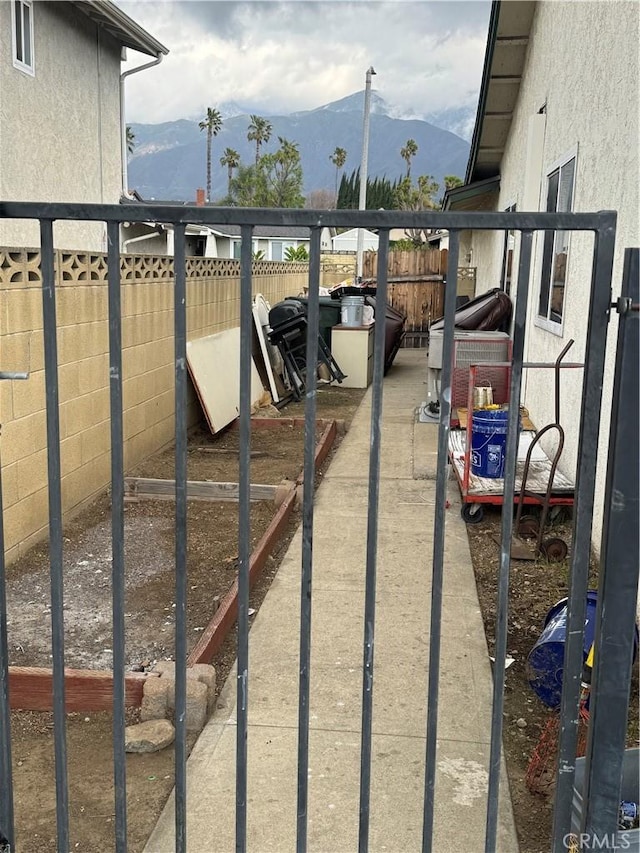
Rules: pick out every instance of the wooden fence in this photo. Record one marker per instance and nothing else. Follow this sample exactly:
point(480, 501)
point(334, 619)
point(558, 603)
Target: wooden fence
point(416, 287)
point(415, 262)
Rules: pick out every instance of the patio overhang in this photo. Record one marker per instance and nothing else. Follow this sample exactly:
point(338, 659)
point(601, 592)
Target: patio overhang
point(480, 195)
point(505, 56)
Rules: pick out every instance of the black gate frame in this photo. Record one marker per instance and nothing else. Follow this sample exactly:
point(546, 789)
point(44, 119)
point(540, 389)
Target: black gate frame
point(619, 565)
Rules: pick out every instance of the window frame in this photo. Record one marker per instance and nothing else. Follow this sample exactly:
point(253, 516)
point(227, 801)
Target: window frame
point(542, 321)
point(510, 208)
point(21, 65)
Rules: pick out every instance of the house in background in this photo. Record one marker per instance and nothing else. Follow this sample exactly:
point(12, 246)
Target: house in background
point(61, 110)
point(150, 238)
point(348, 241)
point(557, 129)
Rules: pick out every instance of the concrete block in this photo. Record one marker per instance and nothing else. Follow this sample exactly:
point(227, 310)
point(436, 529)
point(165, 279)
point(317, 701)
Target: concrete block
point(201, 686)
point(66, 311)
point(91, 304)
point(133, 421)
point(95, 441)
point(22, 437)
point(24, 311)
point(155, 702)
point(93, 373)
point(6, 402)
point(85, 481)
point(205, 674)
point(32, 473)
point(69, 379)
point(15, 352)
point(25, 517)
point(134, 361)
point(10, 494)
point(29, 395)
point(71, 454)
point(165, 668)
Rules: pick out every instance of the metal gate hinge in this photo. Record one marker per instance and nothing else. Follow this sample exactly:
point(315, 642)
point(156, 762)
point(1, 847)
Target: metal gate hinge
point(624, 304)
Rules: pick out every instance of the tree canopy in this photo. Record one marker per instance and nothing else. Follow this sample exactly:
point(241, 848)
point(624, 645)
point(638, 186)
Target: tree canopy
point(275, 181)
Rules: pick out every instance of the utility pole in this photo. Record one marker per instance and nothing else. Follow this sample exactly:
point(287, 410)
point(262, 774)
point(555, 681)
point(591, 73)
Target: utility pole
point(363, 166)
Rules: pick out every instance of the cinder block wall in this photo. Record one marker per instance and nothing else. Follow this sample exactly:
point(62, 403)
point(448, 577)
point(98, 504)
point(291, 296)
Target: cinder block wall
point(336, 267)
point(213, 304)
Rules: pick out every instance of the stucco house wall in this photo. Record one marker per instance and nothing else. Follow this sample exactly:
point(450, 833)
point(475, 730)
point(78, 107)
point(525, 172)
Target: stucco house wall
point(60, 128)
point(582, 68)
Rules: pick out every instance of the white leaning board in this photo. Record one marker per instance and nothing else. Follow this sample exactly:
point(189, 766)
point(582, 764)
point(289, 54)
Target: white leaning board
point(214, 365)
point(261, 322)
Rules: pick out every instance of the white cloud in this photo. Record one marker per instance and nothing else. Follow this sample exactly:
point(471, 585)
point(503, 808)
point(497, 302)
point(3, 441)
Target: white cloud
point(280, 57)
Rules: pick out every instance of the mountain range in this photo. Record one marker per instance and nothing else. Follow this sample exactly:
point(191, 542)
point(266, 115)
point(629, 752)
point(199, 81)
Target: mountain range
point(168, 161)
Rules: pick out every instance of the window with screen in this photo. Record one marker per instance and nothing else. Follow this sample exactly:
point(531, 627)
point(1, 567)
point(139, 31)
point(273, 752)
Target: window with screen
point(555, 253)
point(22, 35)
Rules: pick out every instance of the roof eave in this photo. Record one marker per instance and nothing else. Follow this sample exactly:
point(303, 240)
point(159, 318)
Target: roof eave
point(484, 88)
point(123, 28)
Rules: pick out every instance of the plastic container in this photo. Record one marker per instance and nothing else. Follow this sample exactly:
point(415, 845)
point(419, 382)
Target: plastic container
point(628, 839)
point(329, 315)
point(488, 442)
point(546, 659)
point(352, 310)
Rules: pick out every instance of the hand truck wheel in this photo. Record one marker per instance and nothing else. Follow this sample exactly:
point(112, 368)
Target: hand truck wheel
point(555, 550)
point(529, 527)
point(472, 513)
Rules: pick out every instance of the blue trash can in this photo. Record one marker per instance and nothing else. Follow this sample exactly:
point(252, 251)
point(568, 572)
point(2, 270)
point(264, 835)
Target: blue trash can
point(546, 660)
point(488, 442)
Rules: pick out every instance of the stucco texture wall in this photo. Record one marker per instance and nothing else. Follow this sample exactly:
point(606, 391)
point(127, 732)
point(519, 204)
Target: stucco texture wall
point(582, 63)
point(60, 129)
point(213, 304)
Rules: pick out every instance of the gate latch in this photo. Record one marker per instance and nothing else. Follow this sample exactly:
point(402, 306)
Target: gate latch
point(624, 304)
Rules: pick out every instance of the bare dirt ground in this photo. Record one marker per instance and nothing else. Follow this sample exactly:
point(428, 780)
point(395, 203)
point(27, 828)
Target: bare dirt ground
point(535, 586)
point(211, 566)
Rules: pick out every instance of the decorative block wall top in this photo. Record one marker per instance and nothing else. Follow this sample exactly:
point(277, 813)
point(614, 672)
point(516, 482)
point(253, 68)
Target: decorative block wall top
point(22, 267)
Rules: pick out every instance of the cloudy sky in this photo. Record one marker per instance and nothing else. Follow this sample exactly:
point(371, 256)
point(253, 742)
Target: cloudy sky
point(273, 57)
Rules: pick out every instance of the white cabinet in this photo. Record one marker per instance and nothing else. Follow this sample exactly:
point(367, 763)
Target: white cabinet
point(352, 348)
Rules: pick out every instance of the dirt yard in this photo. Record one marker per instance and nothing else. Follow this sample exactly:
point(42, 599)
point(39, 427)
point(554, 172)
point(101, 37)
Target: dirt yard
point(149, 541)
point(535, 586)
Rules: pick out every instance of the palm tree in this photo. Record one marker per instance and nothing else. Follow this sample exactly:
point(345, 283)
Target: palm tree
point(338, 158)
point(230, 159)
point(131, 139)
point(407, 152)
point(259, 132)
point(212, 124)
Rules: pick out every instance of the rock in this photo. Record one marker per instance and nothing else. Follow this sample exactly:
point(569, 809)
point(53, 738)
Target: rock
point(521, 723)
point(150, 736)
point(154, 699)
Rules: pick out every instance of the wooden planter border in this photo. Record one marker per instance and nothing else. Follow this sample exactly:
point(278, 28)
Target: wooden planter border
point(31, 688)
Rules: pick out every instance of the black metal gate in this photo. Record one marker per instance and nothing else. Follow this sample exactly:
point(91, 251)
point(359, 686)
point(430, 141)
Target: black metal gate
point(619, 565)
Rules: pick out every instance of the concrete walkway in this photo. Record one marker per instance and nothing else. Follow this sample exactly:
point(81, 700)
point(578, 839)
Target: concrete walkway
point(401, 666)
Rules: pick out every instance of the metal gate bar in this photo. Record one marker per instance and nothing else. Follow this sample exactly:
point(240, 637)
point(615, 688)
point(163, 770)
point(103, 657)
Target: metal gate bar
point(618, 587)
point(306, 585)
point(603, 225)
point(55, 530)
point(502, 615)
point(180, 343)
point(6, 777)
point(117, 534)
point(589, 430)
point(438, 547)
point(372, 545)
